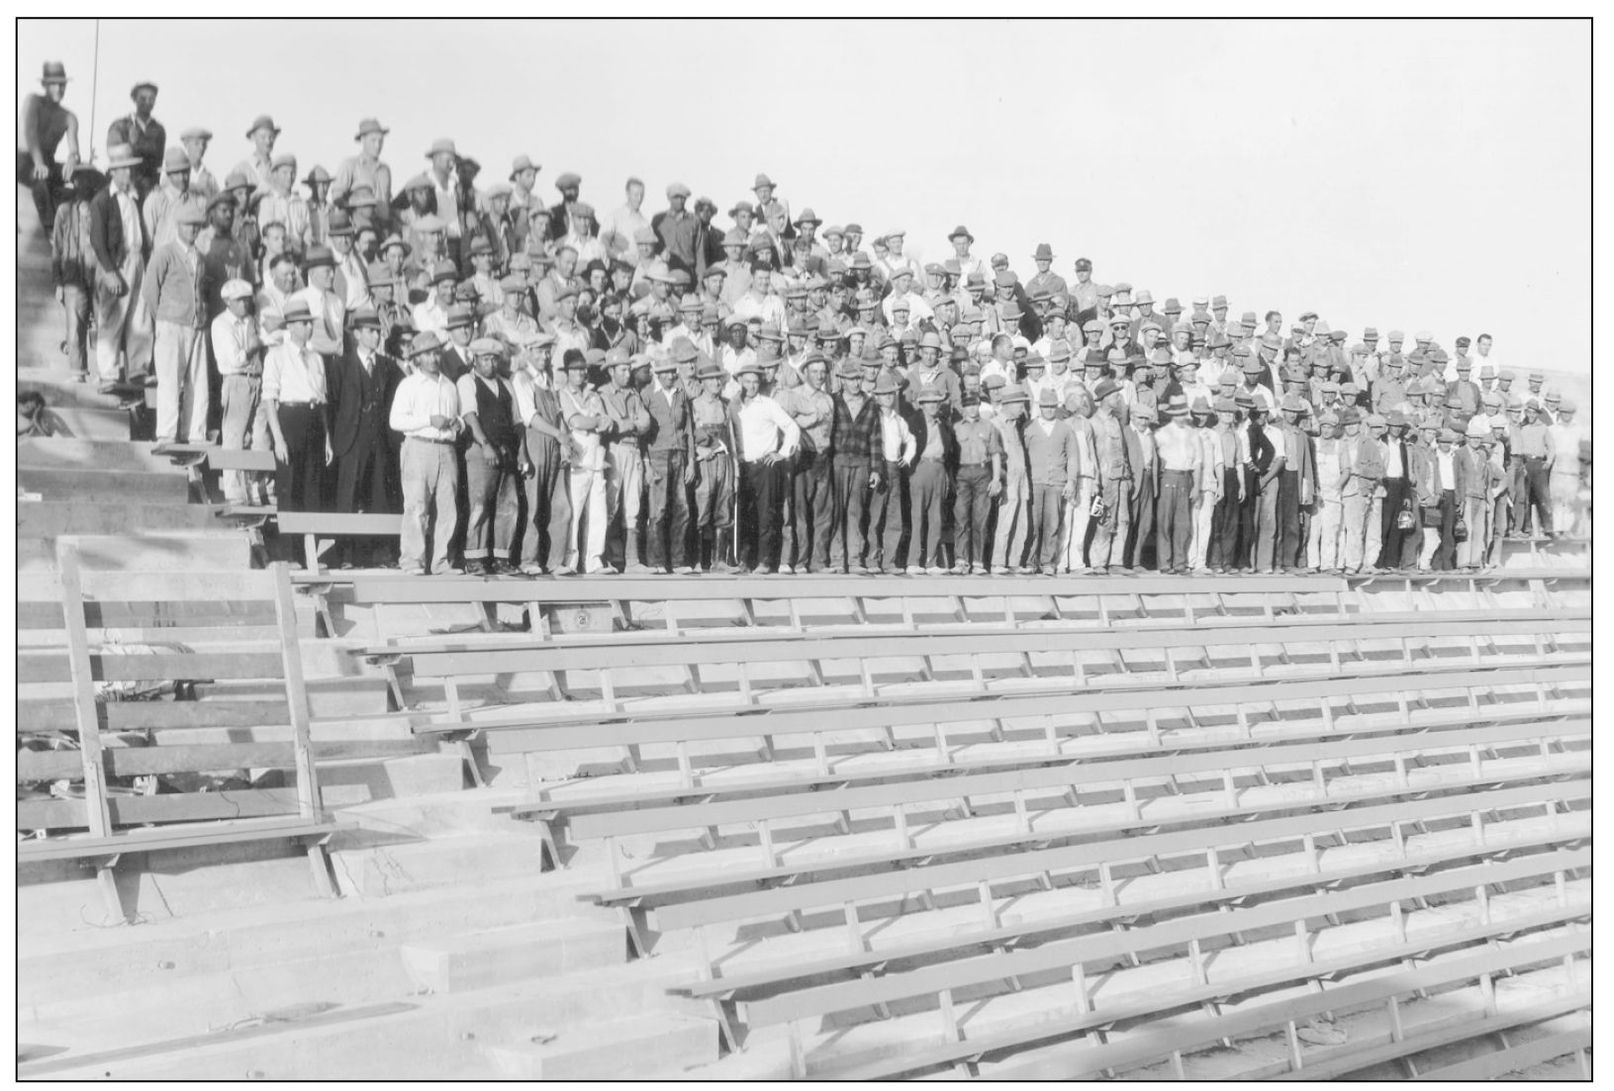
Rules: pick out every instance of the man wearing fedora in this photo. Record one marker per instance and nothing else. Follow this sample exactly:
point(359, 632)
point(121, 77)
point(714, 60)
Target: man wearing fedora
point(367, 169)
point(256, 168)
point(773, 213)
point(72, 266)
point(362, 383)
point(118, 237)
point(163, 204)
point(144, 134)
point(46, 123)
point(426, 410)
point(296, 403)
point(1046, 279)
point(444, 178)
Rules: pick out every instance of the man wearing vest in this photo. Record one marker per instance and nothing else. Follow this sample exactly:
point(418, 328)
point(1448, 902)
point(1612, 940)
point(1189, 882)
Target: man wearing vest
point(855, 435)
point(549, 510)
point(495, 460)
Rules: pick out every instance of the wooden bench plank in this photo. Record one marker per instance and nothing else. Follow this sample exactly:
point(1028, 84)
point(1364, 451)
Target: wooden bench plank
point(124, 761)
point(56, 714)
point(741, 649)
point(159, 586)
point(49, 814)
point(692, 901)
point(1105, 946)
point(167, 838)
point(566, 730)
point(1515, 1058)
point(1140, 1049)
point(36, 667)
point(1061, 777)
point(150, 615)
point(767, 981)
point(338, 523)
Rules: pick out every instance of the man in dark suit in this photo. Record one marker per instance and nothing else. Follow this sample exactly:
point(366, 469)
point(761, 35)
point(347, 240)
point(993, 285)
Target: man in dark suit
point(669, 455)
point(361, 383)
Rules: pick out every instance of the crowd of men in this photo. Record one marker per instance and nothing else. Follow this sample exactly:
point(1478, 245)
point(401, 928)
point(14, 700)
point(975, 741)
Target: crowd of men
point(539, 388)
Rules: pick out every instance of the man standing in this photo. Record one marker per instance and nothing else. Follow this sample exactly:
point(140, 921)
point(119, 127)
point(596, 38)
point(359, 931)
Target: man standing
point(928, 488)
point(1475, 511)
point(1295, 486)
point(367, 169)
point(854, 436)
point(1535, 447)
point(889, 483)
point(144, 134)
point(1362, 465)
point(1013, 515)
point(979, 482)
point(587, 422)
point(669, 466)
point(495, 460)
point(72, 266)
point(1564, 474)
point(1115, 483)
point(426, 409)
point(714, 462)
point(624, 475)
point(622, 224)
point(118, 238)
point(812, 407)
point(239, 355)
point(362, 383)
point(1323, 538)
point(1222, 556)
point(676, 228)
point(1180, 461)
point(549, 511)
point(172, 293)
point(162, 205)
point(1275, 447)
point(257, 167)
point(767, 438)
point(1209, 480)
point(1053, 459)
point(296, 403)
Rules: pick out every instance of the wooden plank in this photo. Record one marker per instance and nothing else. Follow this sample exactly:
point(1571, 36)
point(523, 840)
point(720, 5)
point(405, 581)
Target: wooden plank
point(674, 910)
point(158, 586)
point(168, 838)
point(35, 667)
point(309, 803)
point(55, 714)
point(569, 731)
point(59, 814)
point(1515, 1058)
point(227, 615)
point(93, 812)
point(224, 460)
point(1060, 777)
point(135, 761)
point(552, 656)
point(1106, 945)
point(338, 523)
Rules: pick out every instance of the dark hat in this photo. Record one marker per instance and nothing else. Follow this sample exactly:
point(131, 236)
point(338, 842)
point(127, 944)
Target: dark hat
point(317, 176)
point(960, 232)
point(365, 317)
point(1105, 388)
point(53, 72)
point(459, 316)
point(319, 255)
point(296, 311)
point(340, 223)
point(568, 181)
point(262, 121)
point(370, 125)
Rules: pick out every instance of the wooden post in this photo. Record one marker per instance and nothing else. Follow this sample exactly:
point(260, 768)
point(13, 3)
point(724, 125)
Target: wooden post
point(98, 815)
point(309, 804)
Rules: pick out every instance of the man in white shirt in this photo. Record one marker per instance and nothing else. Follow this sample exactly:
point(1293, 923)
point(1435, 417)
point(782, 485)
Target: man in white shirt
point(326, 308)
point(895, 452)
point(294, 399)
point(901, 292)
point(767, 439)
point(239, 354)
point(431, 314)
point(426, 409)
point(759, 302)
point(622, 224)
point(351, 280)
point(586, 423)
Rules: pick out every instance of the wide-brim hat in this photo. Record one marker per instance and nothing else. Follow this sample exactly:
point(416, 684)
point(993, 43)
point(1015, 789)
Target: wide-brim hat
point(176, 161)
point(370, 125)
point(441, 146)
point(53, 72)
point(521, 163)
point(121, 155)
point(262, 121)
point(960, 232)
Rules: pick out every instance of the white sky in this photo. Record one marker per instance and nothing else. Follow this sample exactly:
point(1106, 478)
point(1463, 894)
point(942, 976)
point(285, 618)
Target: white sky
point(1414, 175)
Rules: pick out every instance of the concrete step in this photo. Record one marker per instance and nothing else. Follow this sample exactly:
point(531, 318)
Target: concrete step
point(369, 870)
point(435, 1037)
point(53, 518)
point(636, 1048)
point(502, 956)
point(58, 387)
point(150, 550)
point(441, 814)
point(86, 422)
point(58, 453)
point(160, 487)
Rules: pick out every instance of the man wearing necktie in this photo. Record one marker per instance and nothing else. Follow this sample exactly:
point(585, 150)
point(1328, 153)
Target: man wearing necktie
point(362, 383)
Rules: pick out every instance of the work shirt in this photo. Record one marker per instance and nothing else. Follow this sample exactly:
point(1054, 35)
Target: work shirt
point(329, 319)
point(978, 442)
point(161, 212)
point(1535, 441)
point(290, 210)
point(765, 429)
point(418, 399)
point(293, 375)
point(356, 171)
point(897, 443)
point(814, 413)
point(1565, 445)
point(587, 452)
point(235, 345)
point(1052, 453)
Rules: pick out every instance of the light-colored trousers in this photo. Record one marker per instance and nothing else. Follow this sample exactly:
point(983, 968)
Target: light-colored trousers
point(1009, 543)
point(122, 328)
point(179, 357)
point(431, 481)
point(243, 426)
point(1073, 537)
point(1204, 517)
point(588, 503)
point(1361, 529)
point(1563, 489)
point(1477, 514)
point(1322, 543)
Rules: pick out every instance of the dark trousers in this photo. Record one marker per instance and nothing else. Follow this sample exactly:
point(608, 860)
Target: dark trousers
point(366, 481)
point(1445, 557)
point(1140, 536)
point(1537, 496)
point(546, 510)
point(1223, 549)
point(1394, 541)
point(761, 498)
point(1519, 491)
point(300, 480)
point(1248, 512)
point(815, 506)
point(490, 490)
point(849, 486)
point(1046, 518)
point(927, 499)
point(669, 509)
point(1289, 536)
point(1174, 526)
point(887, 509)
point(972, 508)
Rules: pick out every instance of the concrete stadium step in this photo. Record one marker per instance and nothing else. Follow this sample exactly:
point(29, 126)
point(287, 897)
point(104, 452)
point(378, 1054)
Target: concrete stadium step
point(88, 422)
point(147, 550)
point(157, 486)
point(58, 387)
point(369, 870)
point(90, 454)
point(56, 517)
point(417, 1037)
point(502, 956)
point(441, 814)
point(637, 1048)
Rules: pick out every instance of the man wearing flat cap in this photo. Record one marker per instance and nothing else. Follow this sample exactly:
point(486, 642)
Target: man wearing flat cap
point(144, 134)
point(366, 169)
point(173, 295)
point(238, 352)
